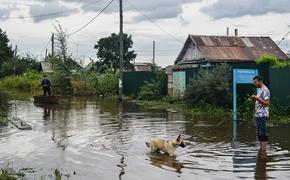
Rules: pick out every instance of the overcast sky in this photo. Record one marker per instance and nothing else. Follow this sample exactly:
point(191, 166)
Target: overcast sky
point(177, 17)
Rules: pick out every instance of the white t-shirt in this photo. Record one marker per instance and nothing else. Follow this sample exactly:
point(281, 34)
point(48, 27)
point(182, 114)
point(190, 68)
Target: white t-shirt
point(261, 110)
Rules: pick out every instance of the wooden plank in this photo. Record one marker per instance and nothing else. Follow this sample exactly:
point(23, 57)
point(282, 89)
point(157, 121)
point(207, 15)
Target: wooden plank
point(20, 124)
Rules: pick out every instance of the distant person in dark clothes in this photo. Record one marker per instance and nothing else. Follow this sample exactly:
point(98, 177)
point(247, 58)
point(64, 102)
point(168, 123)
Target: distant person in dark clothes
point(45, 83)
point(262, 102)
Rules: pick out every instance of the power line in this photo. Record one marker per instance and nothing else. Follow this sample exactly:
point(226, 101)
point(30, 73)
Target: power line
point(43, 49)
point(92, 19)
point(154, 23)
point(50, 14)
point(284, 37)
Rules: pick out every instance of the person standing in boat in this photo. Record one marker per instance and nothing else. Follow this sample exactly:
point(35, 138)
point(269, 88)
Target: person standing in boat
point(45, 83)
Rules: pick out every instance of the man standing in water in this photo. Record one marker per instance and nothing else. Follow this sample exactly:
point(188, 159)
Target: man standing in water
point(262, 102)
point(46, 86)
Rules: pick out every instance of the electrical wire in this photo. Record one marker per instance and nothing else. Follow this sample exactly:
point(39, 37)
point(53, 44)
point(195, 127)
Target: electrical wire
point(91, 19)
point(42, 49)
point(154, 23)
point(284, 38)
point(50, 14)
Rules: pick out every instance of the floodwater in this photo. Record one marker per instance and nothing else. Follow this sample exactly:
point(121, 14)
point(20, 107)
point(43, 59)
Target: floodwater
point(88, 138)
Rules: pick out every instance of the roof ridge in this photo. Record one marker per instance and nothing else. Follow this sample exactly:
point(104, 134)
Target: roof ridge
point(229, 36)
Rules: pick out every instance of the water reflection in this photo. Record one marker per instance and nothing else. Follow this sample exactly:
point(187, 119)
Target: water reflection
point(261, 164)
point(105, 140)
point(166, 162)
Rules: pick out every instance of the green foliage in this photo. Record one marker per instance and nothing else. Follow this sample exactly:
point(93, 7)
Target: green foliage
point(8, 62)
point(92, 83)
point(273, 61)
point(86, 83)
point(29, 81)
point(10, 174)
point(6, 52)
point(108, 52)
point(22, 64)
point(109, 82)
point(210, 86)
point(152, 90)
point(61, 41)
point(3, 109)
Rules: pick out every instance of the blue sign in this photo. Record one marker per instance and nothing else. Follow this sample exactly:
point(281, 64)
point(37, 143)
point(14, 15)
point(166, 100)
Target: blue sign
point(244, 76)
point(240, 76)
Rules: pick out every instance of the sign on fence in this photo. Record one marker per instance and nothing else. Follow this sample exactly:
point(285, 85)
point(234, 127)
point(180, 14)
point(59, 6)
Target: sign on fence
point(240, 76)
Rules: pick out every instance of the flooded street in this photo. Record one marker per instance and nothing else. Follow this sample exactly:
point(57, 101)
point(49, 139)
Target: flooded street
point(87, 138)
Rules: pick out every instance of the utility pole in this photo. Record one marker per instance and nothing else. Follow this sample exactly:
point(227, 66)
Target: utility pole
point(121, 51)
point(153, 59)
point(52, 45)
point(15, 56)
point(45, 58)
point(77, 50)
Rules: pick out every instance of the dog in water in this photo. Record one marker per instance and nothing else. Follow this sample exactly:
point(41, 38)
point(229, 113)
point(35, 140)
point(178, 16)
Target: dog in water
point(168, 147)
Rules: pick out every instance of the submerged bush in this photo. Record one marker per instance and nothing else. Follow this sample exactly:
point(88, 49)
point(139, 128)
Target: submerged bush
point(3, 109)
point(210, 86)
point(86, 83)
point(29, 81)
point(93, 83)
point(108, 82)
point(150, 91)
point(153, 89)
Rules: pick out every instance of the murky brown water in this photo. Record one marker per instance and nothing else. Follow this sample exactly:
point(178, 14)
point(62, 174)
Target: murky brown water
point(92, 139)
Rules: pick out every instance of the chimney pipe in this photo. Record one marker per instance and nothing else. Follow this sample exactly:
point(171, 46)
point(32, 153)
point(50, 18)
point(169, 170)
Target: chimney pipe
point(228, 31)
point(236, 32)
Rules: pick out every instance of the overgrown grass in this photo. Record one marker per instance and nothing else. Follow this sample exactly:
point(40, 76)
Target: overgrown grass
point(199, 110)
point(10, 174)
point(92, 83)
point(278, 116)
point(28, 81)
point(3, 109)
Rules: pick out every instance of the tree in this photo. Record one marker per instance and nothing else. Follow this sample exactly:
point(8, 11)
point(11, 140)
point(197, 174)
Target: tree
point(21, 63)
point(62, 60)
point(108, 52)
point(210, 86)
point(273, 61)
point(6, 51)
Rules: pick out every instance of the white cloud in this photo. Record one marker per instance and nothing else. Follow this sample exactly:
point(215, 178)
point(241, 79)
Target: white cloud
point(237, 8)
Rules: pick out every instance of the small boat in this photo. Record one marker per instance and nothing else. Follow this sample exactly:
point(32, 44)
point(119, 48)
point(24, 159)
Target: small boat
point(20, 124)
point(47, 99)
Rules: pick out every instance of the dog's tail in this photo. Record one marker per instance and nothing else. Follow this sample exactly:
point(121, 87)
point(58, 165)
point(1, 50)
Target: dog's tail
point(147, 144)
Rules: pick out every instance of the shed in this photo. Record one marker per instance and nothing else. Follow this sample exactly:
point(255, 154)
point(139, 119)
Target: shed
point(198, 49)
point(45, 66)
point(206, 51)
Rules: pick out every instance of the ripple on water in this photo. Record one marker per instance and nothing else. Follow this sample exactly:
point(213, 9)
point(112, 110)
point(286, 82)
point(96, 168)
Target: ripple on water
point(101, 140)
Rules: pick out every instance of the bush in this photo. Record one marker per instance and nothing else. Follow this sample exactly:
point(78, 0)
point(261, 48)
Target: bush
point(19, 82)
point(150, 91)
point(273, 61)
point(22, 65)
point(109, 82)
point(153, 89)
point(3, 109)
point(92, 83)
point(210, 86)
point(86, 83)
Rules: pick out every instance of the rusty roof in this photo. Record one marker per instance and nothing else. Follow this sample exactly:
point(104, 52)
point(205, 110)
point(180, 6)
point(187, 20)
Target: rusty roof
point(232, 48)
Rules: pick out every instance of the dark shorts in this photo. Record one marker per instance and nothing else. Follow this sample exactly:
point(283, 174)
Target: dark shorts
point(262, 128)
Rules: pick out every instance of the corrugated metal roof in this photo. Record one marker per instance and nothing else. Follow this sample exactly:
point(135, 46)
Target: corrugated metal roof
point(229, 48)
point(46, 67)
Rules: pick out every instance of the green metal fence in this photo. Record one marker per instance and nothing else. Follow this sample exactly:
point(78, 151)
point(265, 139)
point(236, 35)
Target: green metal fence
point(280, 85)
point(133, 81)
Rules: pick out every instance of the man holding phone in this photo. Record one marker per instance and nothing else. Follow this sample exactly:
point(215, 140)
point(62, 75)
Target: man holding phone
point(262, 102)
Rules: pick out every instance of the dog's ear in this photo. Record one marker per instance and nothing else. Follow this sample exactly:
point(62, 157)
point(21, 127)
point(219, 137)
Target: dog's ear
point(178, 137)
